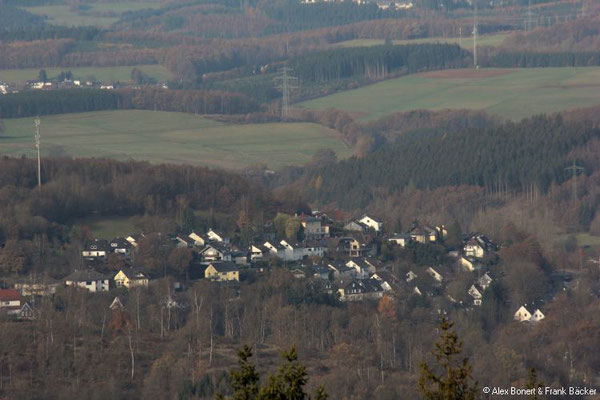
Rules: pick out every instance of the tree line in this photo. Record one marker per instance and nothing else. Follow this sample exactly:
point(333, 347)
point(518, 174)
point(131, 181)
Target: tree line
point(506, 157)
point(377, 61)
point(505, 59)
point(31, 103)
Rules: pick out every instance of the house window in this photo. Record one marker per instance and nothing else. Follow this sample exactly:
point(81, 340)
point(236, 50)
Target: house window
point(88, 283)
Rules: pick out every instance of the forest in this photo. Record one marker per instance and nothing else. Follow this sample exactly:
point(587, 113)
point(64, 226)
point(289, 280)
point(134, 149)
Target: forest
point(27, 104)
point(506, 157)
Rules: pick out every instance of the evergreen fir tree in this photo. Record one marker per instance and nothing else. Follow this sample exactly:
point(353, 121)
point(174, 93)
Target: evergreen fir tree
point(451, 378)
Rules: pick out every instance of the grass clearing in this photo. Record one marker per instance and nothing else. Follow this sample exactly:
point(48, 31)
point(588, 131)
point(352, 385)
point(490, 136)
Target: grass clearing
point(171, 138)
point(510, 93)
point(98, 14)
point(465, 42)
point(102, 74)
point(107, 228)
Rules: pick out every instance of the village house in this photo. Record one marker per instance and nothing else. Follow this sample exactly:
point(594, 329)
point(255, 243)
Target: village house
point(258, 252)
point(410, 276)
point(222, 272)
point(400, 239)
point(275, 249)
point(423, 234)
point(10, 301)
point(215, 251)
point(354, 226)
point(134, 239)
point(372, 223)
point(341, 270)
point(131, 277)
point(478, 245)
point(434, 274)
point(240, 257)
point(98, 249)
point(485, 281)
point(37, 288)
point(360, 267)
point(321, 272)
point(182, 242)
point(197, 239)
point(88, 279)
point(120, 246)
point(216, 236)
point(352, 247)
point(523, 314)
point(361, 289)
point(314, 228)
point(476, 294)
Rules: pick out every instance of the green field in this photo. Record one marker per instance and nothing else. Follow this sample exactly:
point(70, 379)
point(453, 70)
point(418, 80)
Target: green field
point(171, 138)
point(99, 14)
point(465, 42)
point(107, 228)
point(510, 93)
point(102, 74)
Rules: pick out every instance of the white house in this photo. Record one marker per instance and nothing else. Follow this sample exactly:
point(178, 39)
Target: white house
point(434, 274)
point(215, 252)
point(314, 228)
point(410, 276)
point(522, 314)
point(217, 236)
point(371, 223)
point(361, 267)
point(400, 239)
point(485, 281)
point(474, 249)
point(275, 249)
point(88, 279)
point(97, 249)
point(537, 316)
point(476, 295)
point(198, 239)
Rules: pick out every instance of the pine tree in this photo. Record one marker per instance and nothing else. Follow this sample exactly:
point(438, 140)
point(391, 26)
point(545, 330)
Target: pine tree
point(287, 384)
point(244, 381)
point(533, 383)
point(451, 379)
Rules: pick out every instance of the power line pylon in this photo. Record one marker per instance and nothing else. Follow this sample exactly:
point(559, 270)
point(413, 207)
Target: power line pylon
point(575, 168)
point(286, 83)
point(475, 23)
point(37, 145)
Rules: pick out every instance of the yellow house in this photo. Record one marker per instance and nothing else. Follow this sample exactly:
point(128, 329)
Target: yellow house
point(129, 277)
point(222, 272)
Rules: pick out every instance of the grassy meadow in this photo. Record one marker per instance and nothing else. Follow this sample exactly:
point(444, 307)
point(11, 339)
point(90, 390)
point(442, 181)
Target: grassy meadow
point(102, 74)
point(509, 93)
point(98, 14)
point(171, 138)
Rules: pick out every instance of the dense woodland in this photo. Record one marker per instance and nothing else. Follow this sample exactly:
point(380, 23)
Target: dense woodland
point(27, 104)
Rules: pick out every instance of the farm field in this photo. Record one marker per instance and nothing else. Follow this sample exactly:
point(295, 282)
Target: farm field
point(99, 14)
point(509, 93)
point(465, 42)
point(102, 74)
point(171, 138)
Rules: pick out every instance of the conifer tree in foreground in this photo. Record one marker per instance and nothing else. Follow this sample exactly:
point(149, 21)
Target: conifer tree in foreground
point(450, 378)
point(287, 384)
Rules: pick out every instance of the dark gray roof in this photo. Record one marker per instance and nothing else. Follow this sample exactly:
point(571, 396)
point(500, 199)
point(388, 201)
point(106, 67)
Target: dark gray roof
point(85, 276)
point(225, 266)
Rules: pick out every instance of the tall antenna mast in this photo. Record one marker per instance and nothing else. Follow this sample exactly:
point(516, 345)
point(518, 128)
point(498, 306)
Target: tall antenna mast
point(37, 145)
point(475, 37)
point(575, 168)
point(285, 83)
